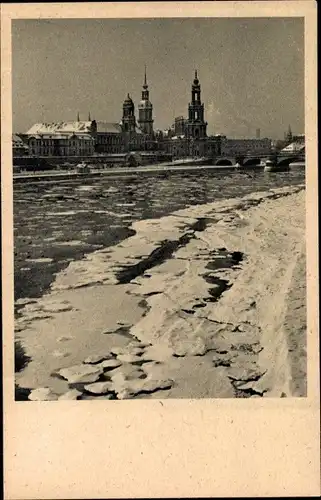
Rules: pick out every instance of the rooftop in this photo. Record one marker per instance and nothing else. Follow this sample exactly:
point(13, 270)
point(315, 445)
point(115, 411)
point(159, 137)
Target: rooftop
point(60, 127)
point(17, 142)
point(105, 127)
point(294, 147)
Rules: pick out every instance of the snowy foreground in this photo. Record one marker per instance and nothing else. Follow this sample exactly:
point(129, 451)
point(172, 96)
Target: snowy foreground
point(208, 302)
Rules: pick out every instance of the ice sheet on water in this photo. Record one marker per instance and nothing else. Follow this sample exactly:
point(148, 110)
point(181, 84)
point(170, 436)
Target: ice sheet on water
point(114, 214)
point(85, 188)
point(70, 212)
point(40, 260)
point(112, 189)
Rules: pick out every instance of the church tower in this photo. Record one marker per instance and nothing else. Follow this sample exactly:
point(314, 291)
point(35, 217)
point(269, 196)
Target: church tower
point(128, 120)
point(289, 136)
point(196, 126)
point(145, 110)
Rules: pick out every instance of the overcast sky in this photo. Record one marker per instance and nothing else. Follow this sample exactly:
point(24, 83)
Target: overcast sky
point(251, 71)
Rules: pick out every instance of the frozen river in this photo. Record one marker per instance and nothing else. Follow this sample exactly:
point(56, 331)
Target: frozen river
point(57, 223)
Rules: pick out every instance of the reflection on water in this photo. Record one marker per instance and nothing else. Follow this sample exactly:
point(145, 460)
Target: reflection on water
point(57, 223)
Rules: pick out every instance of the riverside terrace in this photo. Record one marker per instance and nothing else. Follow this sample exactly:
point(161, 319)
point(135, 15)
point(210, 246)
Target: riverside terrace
point(32, 163)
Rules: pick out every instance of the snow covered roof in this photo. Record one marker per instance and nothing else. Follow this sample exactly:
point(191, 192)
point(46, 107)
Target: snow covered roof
point(61, 136)
point(60, 127)
point(176, 137)
point(108, 127)
point(16, 140)
point(294, 147)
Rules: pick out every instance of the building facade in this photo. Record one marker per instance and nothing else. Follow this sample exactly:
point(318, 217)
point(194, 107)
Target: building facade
point(108, 138)
point(180, 126)
point(231, 147)
point(19, 146)
point(61, 139)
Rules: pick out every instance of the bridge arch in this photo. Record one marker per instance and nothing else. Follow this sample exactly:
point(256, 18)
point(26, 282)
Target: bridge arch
point(251, 161)
point(286, 161)
point(224, 162)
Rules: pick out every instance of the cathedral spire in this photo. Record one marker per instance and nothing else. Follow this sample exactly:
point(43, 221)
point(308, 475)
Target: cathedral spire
point(145, 80)
point(89, 118)
point(78, 120)
point(145, 108)
point(196, 80)
point(289, 134)
point(196, 125)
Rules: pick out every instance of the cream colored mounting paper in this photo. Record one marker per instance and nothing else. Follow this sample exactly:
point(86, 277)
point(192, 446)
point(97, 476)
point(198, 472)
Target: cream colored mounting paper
point(168, 448)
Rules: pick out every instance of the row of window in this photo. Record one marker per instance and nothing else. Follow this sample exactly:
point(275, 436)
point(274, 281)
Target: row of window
point(109, 139)
point(63, 151)
point(59, 143)
point(255, 144)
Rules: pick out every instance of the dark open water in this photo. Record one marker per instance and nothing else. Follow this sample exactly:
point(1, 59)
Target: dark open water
point(55, 223)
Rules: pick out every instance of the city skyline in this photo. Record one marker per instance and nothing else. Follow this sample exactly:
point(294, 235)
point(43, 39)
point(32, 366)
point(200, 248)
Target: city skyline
point(254, 80)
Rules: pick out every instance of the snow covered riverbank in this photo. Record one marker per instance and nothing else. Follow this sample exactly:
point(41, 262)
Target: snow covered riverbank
point(206, 302)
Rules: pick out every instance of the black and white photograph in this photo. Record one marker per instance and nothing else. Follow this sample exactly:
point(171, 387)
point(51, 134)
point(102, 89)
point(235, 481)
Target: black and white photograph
point(159, 202)
point(159, 208)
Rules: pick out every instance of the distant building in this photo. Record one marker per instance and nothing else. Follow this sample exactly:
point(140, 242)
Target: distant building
point(279, 145)
point(132, 136)
point(294, 147)
point(293, 143)
point(299, 138)
point(129, 134)
point(65, 128)
point(188, 137)
point(245, 146)
point(195, 124)
point(108, 138)
point(180, 126)
point(84, 138)
point(19, 146)
point(185, 138)
point(61, 139)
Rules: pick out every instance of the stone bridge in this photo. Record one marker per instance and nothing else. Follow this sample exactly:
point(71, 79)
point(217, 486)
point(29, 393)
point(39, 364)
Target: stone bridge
point(281, 159)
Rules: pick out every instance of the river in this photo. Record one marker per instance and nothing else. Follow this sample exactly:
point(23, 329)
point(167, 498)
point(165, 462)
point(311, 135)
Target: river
point(56, 223)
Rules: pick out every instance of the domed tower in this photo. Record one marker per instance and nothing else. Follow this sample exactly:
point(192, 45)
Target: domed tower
point(145, 109)
point(128, 120)
point(196, 126)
